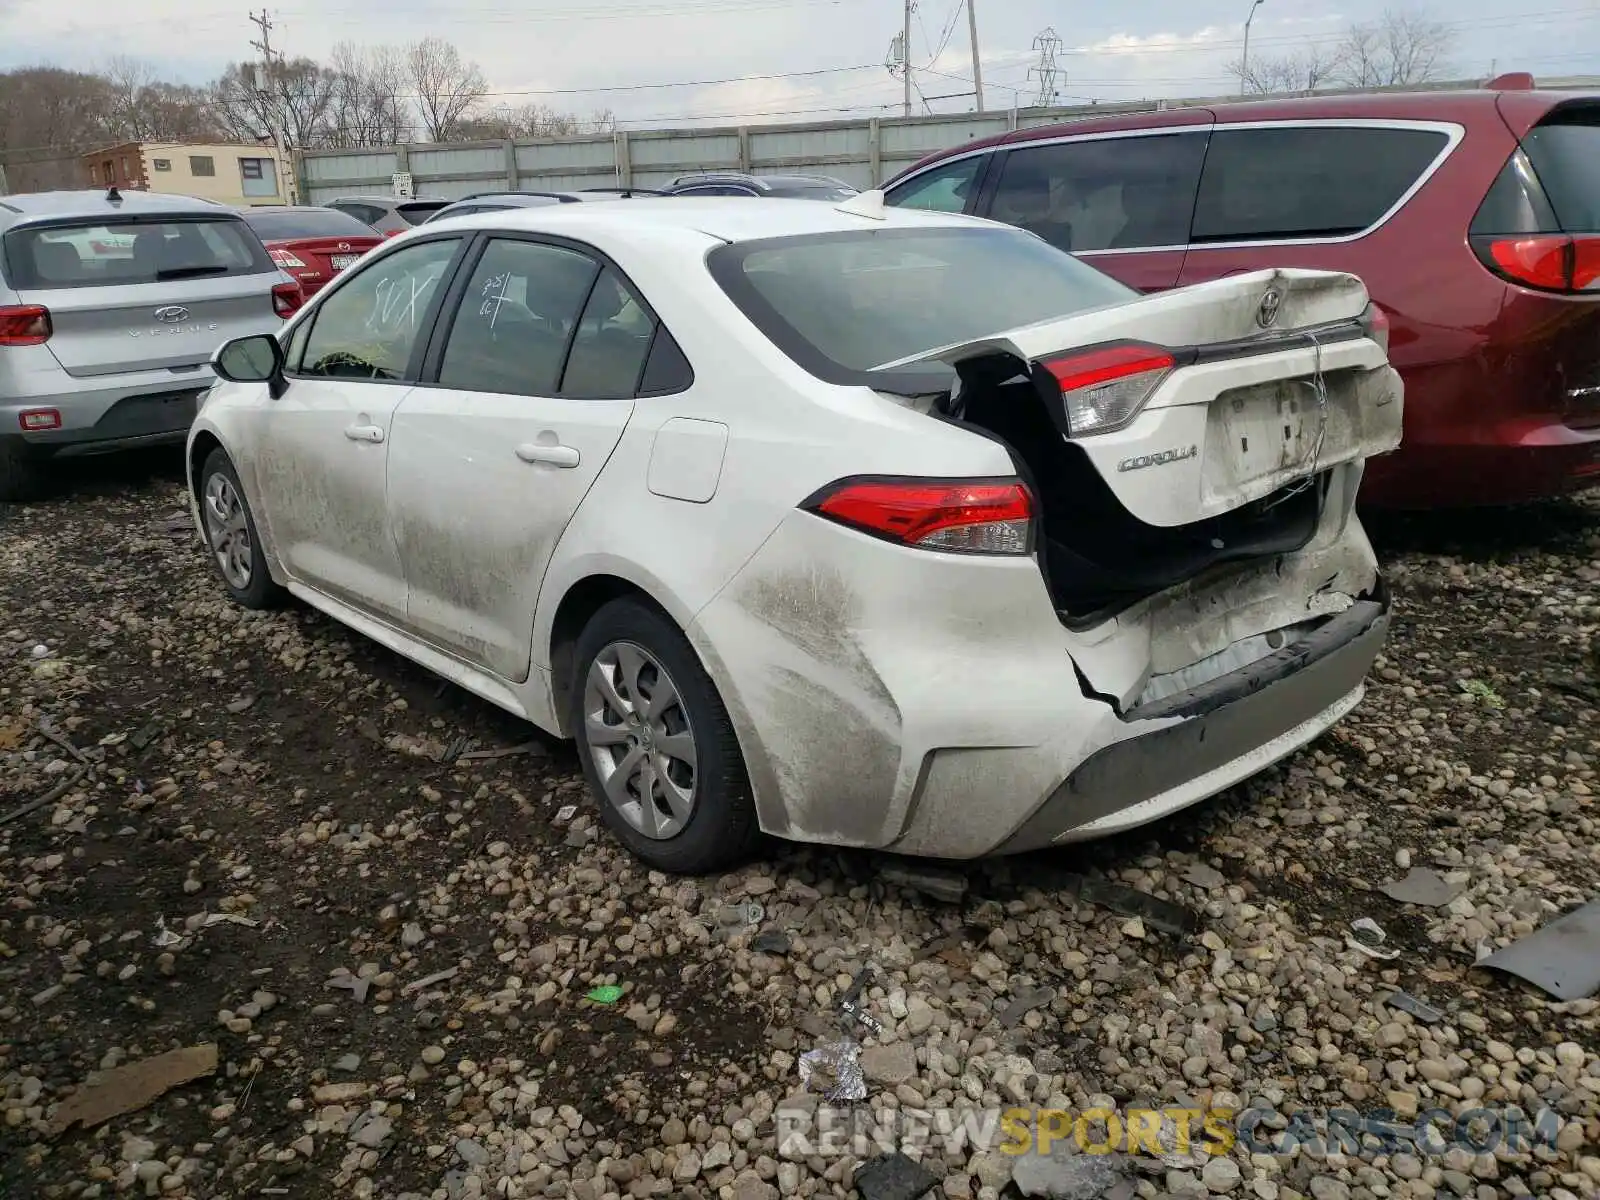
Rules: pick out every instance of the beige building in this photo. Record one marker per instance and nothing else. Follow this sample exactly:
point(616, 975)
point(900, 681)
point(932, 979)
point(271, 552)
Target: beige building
point(230, 173)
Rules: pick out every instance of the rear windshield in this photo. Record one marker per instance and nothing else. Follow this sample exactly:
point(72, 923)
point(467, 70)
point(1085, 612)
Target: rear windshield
point(306, 223)
point(1565, 153)
point(840, 304)
point(105, 253)
point(417, 213)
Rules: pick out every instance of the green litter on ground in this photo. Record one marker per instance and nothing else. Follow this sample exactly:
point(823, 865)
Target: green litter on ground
point(605, 995)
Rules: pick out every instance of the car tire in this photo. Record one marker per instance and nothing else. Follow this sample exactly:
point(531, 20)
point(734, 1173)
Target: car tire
point(224, 516)
point(717, 828)
point(22, 471)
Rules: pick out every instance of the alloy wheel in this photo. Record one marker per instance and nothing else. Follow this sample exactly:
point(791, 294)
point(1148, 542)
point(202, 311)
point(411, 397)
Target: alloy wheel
point(638, 733)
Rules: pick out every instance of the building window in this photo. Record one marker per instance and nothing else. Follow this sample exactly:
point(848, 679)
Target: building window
point(125, 174)
point(202, 165)
point(258, 177)
point(161, 164)
point(111, 172)
point(94, 173)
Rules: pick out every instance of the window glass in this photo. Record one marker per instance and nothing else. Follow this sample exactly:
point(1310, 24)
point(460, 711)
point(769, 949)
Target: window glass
point(415, 213)
point(161, 164)
point(286, 223)
point(612, 342)
point(1565, 151)
point(852, 302)
point(368, 328)
point(296, 348)
point(943, 189)
point(1299, 182)
point(94, 253)
point(511, 332)
point(1103, 194)
point(202, 164)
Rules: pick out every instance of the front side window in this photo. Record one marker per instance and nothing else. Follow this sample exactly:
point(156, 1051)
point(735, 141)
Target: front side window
point(516, 319)
point(841, 304)
point(1308, 181)
point(202, 165)
point(369, 327)
point(944, 189)
point(1121, 193)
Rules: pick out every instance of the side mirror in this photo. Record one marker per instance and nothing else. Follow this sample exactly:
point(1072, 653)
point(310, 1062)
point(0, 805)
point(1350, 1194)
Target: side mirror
point(254, 359)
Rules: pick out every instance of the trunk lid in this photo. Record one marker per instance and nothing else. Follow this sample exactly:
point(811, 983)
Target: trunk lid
point(142, 294)
point(318, 260)
point(1231, 390)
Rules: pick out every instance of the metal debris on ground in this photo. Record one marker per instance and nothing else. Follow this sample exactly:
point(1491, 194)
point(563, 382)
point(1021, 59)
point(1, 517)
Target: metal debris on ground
point(354, 985)
point(1561, 957)
point(1422, 887)
point(565, 813)
point(212, 919)
point(1203, 876)
point(165, 937)
point(1023, 1004)
point(1064, 1174)
point(834, 1071)
point(771, 941)
point(536, 749)
point(1369, 938)
point(747, 913)
point(948, 886)
point(893, 1176)
point(1165, 916)
point(850, 1007)
point(129, 1088)
point(609, 994)
point(149, 732)
point(1425, 1013)
point(428, 981)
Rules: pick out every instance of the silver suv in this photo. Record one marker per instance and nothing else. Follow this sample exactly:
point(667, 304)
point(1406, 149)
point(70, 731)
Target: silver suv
point(110, 309)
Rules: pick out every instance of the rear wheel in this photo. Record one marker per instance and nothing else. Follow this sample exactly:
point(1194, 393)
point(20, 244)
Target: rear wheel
point(22, 471)
point(231, 536)
point(658, 749)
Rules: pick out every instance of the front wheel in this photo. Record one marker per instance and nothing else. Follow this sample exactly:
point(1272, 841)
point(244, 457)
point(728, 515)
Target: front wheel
point(658, 749)
point(231, 536)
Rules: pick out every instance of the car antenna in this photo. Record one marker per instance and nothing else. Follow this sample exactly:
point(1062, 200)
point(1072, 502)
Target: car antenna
point(865, 204)
point(112, 195)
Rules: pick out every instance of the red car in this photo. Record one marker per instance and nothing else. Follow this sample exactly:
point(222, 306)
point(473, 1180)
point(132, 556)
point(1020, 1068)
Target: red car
point(311, 244)
point(1473, 217)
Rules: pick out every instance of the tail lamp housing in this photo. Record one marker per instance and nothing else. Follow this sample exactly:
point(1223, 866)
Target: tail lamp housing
point(956, 516)
point(1104, 388)
point(287, 299)
point(24, 325)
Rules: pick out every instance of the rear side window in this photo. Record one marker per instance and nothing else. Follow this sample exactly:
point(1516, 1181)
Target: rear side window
point(841, 304)
point(1565, 153)
point(1307, 182)
point(1105, 193)
point(96, 253)
point(306, 223)
point(611, 344)
point(946, 188)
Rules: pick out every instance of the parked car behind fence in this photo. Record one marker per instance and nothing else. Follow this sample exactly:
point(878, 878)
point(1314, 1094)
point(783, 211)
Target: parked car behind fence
point(1472, 217)
point(111, 306)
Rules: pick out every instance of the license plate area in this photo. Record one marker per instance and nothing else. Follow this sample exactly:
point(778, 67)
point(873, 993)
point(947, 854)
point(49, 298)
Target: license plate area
point(1280, 430)
point(341, 261)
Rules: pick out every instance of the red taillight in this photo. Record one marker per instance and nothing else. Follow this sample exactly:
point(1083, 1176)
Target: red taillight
point(287, 299)
point(24, 325)
point(35, 420)
point(967, 517)
point(286, 258)
point(1104, 389)
point(1552, 262)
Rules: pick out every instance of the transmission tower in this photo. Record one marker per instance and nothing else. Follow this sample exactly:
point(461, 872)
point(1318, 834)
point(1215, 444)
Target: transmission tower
point(1047, 44)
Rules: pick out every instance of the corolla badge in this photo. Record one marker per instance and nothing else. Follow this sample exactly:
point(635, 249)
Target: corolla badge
point(171, 314)
point(1159, 459)
point(1267, 310)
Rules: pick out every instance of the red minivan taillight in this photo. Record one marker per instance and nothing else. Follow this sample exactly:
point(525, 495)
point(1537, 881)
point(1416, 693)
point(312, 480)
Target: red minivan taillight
point(962, 516)
point(1552, 262)
point(24, 325)
point(287, 299)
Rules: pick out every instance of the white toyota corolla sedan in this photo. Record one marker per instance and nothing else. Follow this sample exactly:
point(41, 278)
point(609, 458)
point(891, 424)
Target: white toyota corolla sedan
point(849, 525)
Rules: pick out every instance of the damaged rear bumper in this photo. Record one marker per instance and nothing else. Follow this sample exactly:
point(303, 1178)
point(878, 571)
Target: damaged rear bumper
point(1228, 730)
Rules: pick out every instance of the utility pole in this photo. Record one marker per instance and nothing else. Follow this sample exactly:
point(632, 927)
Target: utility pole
point(972, 34)
point(275, 123)
point(905, 50)
point(1244, 59)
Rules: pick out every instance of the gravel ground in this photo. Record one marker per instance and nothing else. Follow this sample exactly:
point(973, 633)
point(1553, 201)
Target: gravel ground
point(297, 786)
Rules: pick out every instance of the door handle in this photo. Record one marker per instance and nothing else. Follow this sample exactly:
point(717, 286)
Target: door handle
point(554, 456)
point(364, 433)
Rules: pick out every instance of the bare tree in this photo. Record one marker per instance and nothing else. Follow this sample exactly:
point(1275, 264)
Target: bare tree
point(1399, 48)
point(148, 109)
point(369, 105)
point(297, 96)
point(447, 87)
point(1304, 72)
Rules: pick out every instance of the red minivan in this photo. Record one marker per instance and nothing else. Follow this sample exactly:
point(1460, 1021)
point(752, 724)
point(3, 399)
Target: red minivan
point(1473, 217)
point(311, 244)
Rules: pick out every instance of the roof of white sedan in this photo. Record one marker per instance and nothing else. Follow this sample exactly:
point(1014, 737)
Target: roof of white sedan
point(730, 218)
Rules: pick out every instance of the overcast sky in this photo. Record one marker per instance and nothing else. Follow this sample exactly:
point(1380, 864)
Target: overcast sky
point(583, 55)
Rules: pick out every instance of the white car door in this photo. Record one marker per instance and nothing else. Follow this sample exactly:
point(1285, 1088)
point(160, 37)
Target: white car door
point(322, 468)
point(522, 403)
